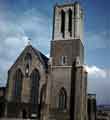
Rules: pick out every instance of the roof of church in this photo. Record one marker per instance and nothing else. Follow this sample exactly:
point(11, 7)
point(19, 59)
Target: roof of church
point(41, 56)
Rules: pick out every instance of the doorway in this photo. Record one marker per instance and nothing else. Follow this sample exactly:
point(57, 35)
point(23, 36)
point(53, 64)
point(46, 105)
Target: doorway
point(24, 113)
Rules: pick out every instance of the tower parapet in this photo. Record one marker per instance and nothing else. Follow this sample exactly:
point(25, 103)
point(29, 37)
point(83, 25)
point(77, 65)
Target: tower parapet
point(68, 22)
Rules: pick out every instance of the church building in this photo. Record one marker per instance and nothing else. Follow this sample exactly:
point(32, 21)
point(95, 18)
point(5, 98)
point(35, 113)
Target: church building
point(52, 88)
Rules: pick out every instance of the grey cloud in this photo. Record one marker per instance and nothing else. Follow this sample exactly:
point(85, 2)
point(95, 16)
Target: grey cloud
point(98, 83)
point(14, 36)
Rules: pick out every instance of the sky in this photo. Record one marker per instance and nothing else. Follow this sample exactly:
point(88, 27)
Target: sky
point(24, 19)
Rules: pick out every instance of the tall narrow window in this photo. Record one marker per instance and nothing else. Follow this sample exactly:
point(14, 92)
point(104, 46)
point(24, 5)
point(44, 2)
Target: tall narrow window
point(63, 60)
point(27, 70)
point(28, 61)
point(18, 85)
point(70, 21)
point(62, 99)
point(63, 23)
point(35, 77)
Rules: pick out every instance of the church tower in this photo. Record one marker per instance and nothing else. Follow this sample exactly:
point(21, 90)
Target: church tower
point(67, 81)
point(67, 39)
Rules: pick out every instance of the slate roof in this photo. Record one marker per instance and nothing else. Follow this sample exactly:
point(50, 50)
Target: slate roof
point(41, 57)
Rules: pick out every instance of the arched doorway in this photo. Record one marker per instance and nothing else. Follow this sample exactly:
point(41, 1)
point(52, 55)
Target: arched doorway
point(24, 113)
point(62, 99)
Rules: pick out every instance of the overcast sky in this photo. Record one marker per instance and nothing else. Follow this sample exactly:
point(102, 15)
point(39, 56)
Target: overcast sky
point(23, 19)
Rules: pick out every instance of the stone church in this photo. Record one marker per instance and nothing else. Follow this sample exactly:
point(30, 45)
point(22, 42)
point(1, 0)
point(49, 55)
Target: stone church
point(55, 87)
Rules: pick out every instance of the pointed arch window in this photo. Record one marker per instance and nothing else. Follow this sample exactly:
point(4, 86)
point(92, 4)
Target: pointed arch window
point(35, 77)
point(70, 21)
point(62, 99)
point(18, 78)
point(63, 23)
point(27, 70)
point(28, 61)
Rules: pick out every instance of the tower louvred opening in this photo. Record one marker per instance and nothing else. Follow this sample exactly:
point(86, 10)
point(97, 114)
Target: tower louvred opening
point(70, 21)
point(63, 23)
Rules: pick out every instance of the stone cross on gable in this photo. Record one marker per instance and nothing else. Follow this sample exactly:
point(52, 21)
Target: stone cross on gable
point(29, 41)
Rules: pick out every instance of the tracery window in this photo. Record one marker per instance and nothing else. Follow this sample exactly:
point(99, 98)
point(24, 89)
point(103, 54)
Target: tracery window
point(35, 77)
point(18, 78)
